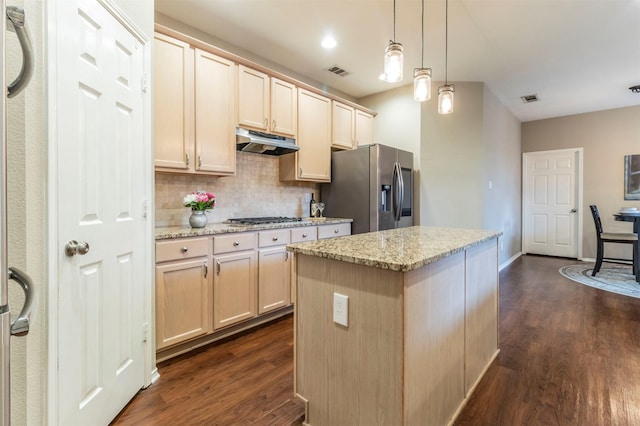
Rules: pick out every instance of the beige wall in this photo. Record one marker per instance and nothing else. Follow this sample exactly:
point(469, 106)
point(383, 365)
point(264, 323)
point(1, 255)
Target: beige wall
point(456, 156)
point(503, 201)
point(606, 136)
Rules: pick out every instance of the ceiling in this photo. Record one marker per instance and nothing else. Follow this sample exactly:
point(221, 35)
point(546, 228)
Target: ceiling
point(576, 55)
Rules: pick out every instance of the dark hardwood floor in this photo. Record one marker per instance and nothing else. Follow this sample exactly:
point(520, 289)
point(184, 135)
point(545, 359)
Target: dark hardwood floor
point(569, 356)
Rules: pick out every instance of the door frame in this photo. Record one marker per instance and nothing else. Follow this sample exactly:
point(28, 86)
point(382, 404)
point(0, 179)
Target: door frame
point(578, 175)
point(53, 244)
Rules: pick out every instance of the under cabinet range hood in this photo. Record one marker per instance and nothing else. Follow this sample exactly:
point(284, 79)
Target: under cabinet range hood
point(264, 143)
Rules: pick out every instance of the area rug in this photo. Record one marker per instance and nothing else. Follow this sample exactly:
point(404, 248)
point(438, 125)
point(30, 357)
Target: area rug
point(613, 278)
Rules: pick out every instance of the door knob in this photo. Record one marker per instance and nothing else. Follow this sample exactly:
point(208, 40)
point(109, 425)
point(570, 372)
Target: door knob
point(73, 247)
point(573, 210)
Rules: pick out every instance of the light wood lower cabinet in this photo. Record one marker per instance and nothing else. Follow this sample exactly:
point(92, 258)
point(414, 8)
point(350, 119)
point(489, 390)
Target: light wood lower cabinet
point(234, 288)
point(274, 279)
point(183, 307)
point(274, 270)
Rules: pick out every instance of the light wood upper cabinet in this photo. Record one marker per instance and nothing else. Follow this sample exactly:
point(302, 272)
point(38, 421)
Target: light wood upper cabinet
point(214, 113)
point(194, 109)
point(253, 98)
point(284, 107)
point(343, 126)
point(173, 112)
point(363, 128)
point(313, 161)
point(266, 103)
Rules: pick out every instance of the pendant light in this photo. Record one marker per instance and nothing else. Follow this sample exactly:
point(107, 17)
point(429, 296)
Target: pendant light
point(393, 56)
point(422, 75)
point(445, 93)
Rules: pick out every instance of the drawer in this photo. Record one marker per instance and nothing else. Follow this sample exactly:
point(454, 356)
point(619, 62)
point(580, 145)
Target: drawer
point(300, 235)
point(330, 231)
point(234, 242)
point(276, 237)
point(185, 248)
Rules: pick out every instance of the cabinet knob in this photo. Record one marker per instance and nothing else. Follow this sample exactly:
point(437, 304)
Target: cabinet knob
point(275, 238)
point(184, 249)
point(335, 231)
point(304, 235)
point(236, 243)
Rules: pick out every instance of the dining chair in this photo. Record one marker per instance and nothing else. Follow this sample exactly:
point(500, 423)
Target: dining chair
point(613, 237)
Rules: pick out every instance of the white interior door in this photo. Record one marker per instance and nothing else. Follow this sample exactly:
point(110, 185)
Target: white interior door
point(551, 200)
point(99, 121)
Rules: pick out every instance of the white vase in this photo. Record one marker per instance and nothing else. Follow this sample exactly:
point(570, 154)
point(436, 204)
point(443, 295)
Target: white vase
point(198, 219)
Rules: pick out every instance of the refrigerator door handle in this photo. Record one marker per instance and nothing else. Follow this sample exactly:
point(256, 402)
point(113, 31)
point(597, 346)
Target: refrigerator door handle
point(20, 326)
point(15, 15)
point(397, 191)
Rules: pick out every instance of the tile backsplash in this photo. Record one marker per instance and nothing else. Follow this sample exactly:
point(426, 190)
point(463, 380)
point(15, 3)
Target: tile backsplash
point(254, 191)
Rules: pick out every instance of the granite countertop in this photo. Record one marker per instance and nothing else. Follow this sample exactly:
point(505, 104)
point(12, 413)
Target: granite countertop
point(168, 232)
point(403, 249)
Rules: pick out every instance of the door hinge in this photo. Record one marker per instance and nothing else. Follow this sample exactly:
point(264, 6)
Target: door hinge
point(144, 83)
point(145, 209)
point(145, 332)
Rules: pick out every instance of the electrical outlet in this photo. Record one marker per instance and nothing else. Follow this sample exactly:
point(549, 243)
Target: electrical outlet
point(341, 309)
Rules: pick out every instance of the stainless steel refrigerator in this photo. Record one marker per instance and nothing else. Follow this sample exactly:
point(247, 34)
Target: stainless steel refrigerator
point(20, 326)
point(373, 185)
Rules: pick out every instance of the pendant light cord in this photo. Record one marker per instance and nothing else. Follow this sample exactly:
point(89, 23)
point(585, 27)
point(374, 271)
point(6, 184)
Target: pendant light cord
point(394, 21)
point(446, 40)
point(422, 60)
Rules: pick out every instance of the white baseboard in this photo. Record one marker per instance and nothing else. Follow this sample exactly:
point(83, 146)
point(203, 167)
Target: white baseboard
point(509, 261)
point(587, 259)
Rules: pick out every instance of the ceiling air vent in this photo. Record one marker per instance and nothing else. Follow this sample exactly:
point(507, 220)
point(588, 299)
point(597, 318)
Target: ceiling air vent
point(529, 98)
point(338, 71)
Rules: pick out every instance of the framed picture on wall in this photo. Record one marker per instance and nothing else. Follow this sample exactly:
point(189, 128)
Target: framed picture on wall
point(632, 177)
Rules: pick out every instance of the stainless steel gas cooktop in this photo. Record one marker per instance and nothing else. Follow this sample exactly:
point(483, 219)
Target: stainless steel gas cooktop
point(262, 220)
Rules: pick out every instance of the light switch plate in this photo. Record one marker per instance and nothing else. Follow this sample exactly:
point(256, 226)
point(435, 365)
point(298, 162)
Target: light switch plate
point(341, 309)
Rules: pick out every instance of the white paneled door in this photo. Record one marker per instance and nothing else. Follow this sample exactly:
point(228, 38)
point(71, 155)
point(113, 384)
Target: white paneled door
point(551, 200)
point(101, 228)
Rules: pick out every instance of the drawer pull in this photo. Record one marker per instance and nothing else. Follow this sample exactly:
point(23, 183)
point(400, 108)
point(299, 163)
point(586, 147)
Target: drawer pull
point(184, 249)
point(217, 267)
point(206, 269)
point(304, 235)
point(236, 243)
point(275, 238)
point(336, 231)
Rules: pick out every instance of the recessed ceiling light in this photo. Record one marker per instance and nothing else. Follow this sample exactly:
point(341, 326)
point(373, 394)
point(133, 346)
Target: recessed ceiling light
point(329, 42)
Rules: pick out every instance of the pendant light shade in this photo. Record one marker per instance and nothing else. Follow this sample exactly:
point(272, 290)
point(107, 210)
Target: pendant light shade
point(422, 84)
point(445, 99)
point(393, 57)
point(445, 93)
point(393, 61)
point(422, 75)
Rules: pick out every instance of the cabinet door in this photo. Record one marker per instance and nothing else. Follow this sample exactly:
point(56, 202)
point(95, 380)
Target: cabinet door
point(234, 288)
point(274, 279)
point(284, 108)
point(314, 137)
point(173, 104)
point(215, 138)
point(364, 128)
point(342, 123)
point(253, 98)
point(183, 310)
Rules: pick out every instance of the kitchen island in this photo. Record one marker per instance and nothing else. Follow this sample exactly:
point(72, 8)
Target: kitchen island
point(394, 327)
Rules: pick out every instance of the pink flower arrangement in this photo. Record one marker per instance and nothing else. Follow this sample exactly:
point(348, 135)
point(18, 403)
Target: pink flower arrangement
point(200, 200)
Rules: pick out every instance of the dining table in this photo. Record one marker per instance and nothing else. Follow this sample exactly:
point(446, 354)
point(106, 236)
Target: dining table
point(635, 218)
